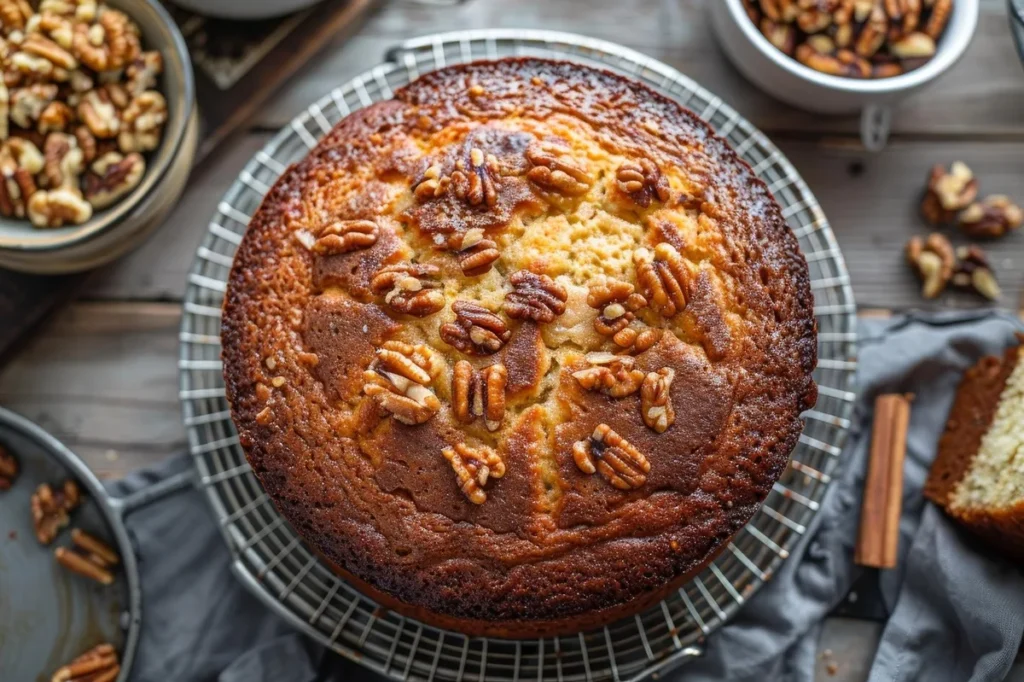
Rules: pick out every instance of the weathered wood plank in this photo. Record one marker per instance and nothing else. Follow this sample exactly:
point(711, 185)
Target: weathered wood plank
point(872, 203)
point(103, 378)
point(983, 95)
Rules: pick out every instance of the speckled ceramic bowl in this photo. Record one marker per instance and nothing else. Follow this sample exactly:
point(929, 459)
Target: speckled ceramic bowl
point(158, 33)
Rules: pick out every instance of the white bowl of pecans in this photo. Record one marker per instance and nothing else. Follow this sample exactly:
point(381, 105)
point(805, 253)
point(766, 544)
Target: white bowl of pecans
point(97, 129)
point(844, 56)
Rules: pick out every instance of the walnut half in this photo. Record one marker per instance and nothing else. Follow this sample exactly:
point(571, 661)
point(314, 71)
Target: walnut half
point(973, 272)
point(615, 375)
point(656, 399)
point(410, 288)
point(933, 260)
point(948, 192)
point(993, 217)
point(479, 393)
point(51, 509)
point(474, 467)
point(398, 380)
point(613, 456)
point(555, 170)
point(535, 297)
point(112, 176)
point(618, 305)
point(343, 236)
point(663, 278)
point(476, 330)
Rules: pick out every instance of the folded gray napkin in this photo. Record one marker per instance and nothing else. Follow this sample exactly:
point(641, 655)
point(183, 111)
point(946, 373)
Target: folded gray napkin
point(957, 611)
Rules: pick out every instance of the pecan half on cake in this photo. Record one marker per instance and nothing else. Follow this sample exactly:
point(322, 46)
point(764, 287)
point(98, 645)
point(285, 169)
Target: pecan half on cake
point(554, 356)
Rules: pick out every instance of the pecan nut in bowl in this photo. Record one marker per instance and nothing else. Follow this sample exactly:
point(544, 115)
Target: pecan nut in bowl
point(537, 370)
point(77, 69)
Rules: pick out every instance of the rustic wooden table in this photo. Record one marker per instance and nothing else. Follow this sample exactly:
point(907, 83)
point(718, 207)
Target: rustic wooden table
point(102, 376)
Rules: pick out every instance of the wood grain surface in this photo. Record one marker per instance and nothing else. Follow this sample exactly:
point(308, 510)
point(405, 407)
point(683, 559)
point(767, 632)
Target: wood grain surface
point(103, 376)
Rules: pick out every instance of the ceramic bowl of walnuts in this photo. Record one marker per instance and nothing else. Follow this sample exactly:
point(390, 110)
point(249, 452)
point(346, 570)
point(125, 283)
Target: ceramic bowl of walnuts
point(844, 56)
point(96, 106)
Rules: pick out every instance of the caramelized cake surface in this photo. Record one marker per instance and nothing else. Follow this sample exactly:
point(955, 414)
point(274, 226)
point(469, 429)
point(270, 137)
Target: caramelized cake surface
point(519, 350)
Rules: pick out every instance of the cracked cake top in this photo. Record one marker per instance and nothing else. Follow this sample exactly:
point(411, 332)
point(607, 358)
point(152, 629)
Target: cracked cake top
point(518, 350)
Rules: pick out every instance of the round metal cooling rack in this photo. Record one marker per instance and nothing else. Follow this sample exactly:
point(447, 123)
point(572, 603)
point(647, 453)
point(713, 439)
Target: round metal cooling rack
point(277, 566)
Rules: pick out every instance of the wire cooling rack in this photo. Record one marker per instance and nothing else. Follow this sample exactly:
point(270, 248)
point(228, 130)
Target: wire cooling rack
point(276, 565)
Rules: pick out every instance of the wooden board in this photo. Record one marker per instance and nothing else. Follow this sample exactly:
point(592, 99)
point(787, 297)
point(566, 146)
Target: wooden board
point(103, 374)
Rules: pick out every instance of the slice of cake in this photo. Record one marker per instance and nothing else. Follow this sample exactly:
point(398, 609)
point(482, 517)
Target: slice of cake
point(978, 475)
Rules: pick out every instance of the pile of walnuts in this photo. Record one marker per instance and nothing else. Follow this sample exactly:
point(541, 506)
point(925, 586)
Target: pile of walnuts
point(78, 107)
point(951, 198)
point(854, 38)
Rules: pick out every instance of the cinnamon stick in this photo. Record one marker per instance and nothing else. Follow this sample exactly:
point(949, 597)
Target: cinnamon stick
point(879, 533)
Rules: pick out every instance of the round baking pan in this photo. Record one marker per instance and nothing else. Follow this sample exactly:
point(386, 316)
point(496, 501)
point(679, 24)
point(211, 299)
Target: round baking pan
point(48, 615)
point(159, 32)
point(108, 245)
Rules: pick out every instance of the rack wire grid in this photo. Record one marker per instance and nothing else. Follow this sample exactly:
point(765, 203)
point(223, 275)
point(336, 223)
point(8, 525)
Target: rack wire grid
point(271, 559)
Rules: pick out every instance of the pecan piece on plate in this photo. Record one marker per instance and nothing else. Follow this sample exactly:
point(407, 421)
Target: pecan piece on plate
point(398, 379)
point(948, 192)
point(479, 393)
point(933, 260)
point(993, 217)
point(535, 297)
point(410, 288)
point(476, 330)
point(474, 467)
point(99, 664)
point(476, 253)
point(615, 375)
point(8, 469)
point(90, 557)
point(51, 509)
point(616, 459)
point(343, 236)
point(643, 182)
point(973, 272)
point(555, 170)
point(663, 278)
point(656, 399)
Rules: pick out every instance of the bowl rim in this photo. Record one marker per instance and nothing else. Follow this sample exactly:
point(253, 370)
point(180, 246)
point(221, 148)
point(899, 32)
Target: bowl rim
point(950, 49)
point(174, 135)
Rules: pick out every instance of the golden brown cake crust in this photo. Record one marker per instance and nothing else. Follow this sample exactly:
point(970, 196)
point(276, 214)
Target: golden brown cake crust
point(578, 179)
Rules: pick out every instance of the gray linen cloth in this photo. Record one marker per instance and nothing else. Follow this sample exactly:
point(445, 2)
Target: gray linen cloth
point(957, 611)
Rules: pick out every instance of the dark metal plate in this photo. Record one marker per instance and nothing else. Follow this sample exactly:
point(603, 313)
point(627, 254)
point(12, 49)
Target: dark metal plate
point(48, 616)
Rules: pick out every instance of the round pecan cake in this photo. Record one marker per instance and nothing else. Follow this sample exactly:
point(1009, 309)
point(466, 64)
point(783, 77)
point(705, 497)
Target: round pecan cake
point(519, 350)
